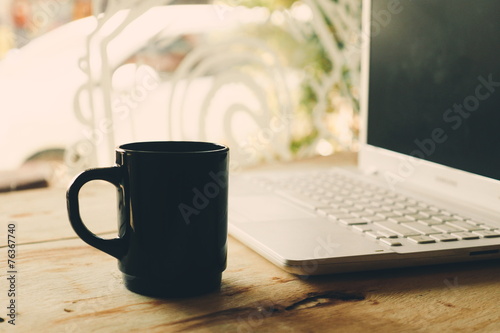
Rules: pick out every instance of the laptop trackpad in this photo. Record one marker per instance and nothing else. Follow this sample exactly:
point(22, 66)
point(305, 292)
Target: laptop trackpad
point(264, 208)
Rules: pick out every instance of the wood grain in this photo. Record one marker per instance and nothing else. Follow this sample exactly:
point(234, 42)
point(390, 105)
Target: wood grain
point(41, 214)
point(65, 285)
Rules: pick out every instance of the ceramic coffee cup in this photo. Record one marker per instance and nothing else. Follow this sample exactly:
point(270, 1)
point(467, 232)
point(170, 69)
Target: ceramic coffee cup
point(172, 210)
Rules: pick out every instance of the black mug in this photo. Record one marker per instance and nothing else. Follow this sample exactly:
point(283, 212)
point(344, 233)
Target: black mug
point(172, 211)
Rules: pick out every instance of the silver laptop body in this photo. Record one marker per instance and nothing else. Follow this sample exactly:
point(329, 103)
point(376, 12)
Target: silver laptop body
point(427, 186)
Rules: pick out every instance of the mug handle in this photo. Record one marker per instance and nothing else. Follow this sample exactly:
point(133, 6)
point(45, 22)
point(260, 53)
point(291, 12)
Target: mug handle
point(115, 247)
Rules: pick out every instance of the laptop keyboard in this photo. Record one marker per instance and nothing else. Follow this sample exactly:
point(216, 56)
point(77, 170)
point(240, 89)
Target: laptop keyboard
point(377, 212)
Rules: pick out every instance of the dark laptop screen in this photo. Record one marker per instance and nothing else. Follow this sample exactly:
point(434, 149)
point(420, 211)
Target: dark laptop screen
point(434, 86)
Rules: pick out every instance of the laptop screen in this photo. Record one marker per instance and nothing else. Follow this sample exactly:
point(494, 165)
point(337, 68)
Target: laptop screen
point(435, 81)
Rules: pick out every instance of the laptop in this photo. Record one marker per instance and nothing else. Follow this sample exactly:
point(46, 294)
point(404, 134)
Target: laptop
point(426, 189)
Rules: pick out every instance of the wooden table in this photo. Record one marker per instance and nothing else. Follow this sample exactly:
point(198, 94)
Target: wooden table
point(64, 285)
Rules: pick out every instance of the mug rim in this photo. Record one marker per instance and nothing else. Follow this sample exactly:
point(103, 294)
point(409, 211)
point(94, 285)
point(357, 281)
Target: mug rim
point(202, 147)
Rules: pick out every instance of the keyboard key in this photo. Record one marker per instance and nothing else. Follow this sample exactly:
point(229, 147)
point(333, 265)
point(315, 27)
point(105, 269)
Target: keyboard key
point(376, 218)
point(465, 235)
point(375, 210)
point(400, 207)
point(387, 214)
point(374, 234)
point(422, 205)
point(430, 222)
point(399, 219)
point(348, 202)
point(388, 209)
point(365, 202)
point(363, 214)
point(484, 226)
point(417, 216)
point(391, 242)
point(362, 227)
point(486, 233)
point(444, 237)
point(422, 228)
point(352, 221)
point(445, 212)
point(464, 225)
point(357, 208)
point(403, 212)
point(412, 208)
point(442, 218)
point(426, 212)
point(422, 239)
point(402, 199)
point(446, 228)
point(398, 229)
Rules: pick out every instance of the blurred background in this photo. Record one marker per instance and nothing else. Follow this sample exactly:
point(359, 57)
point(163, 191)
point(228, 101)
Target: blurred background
point(24, 20)
point(274, 80)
